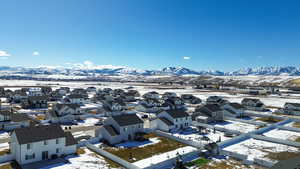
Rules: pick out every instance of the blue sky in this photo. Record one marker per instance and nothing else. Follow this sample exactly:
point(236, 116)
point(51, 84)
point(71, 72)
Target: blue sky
point(151, 34)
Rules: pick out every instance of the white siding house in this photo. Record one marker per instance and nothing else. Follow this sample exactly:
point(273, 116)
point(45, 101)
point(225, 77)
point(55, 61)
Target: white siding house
point(32, 144)
point(292, 108)
point(120, 128)
point(172, 120)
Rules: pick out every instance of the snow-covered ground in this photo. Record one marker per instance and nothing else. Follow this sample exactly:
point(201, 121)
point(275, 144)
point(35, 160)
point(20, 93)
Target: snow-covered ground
point(197, 137)
point(234, 125)
point(88, 122)
point(4, 135)
point(4, 146)
point(85, 161)
point(259, 149)
point(162, 157)
point(283, 134)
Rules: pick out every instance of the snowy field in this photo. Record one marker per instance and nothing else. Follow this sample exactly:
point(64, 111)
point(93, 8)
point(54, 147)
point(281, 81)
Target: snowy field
point(4, 135)
point(162, 157)
point(239, 126)
point(88, 122)
point(259, 149)
point(283, 134)
point(4, 146)
point(89, 160)
point(197, 137)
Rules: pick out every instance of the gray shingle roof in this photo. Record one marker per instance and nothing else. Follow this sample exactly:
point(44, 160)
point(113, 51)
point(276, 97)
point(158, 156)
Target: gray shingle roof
point(127, 119)
point(166, 121)
point(294, 104)
point(111, 130)
point(39, 133)
point(236, 105)
point(70, 140)
point(177, 113)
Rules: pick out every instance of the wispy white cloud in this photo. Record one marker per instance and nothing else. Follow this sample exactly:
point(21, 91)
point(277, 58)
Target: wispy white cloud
point(186, 57)
point(36, 53)
point(4, 53)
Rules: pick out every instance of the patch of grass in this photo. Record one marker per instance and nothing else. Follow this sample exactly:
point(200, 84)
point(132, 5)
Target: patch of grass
point(111, 163)
point(295, 82)
point(296, 124)
point(199, 162)
point(80, 151)
point(139, 153)
point(4, 152)
point(282, 155)
point(268, 119)
point(6, 166)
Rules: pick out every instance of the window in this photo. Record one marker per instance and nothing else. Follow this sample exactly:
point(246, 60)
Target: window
point(46, 142)
point(29, 157)
point(57, 141)
point(29, 146)
point(57, 150)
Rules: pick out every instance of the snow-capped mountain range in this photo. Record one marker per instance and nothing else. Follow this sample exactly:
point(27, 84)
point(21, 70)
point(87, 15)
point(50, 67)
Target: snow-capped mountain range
point(91, 70)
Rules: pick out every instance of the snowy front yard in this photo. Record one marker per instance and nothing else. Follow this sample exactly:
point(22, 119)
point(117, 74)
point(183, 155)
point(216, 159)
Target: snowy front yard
point(239, 126)
point(89, 160)
point(198, 137)
point(283, 134)
point(260, 149)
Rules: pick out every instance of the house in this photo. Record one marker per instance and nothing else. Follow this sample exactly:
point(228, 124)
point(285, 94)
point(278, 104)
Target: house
point(118, 92)
point(208, 113)
point(171, 120)
point(91, 89)
point(130, 95)
point(174, 103)
point(63, 90)
point(114, 105)
point(253, 104)
point(234, 109)
point(33, 102)
point(120, 128)
point(151, 95)
point(64, 113)
point(79, 91)
point(18, 96)
point(167, 95)
point(150, 105)
point(107, 91)
point(133, 93)
point(76, 99)
point(35, 92)
point(37, 143)
point(46, 90)
point(190, 99)
point(292, 108)
point(216, 100)
point(10, 121)
point(55, 96)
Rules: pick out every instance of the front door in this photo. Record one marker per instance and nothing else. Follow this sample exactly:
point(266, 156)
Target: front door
point(45, 155)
